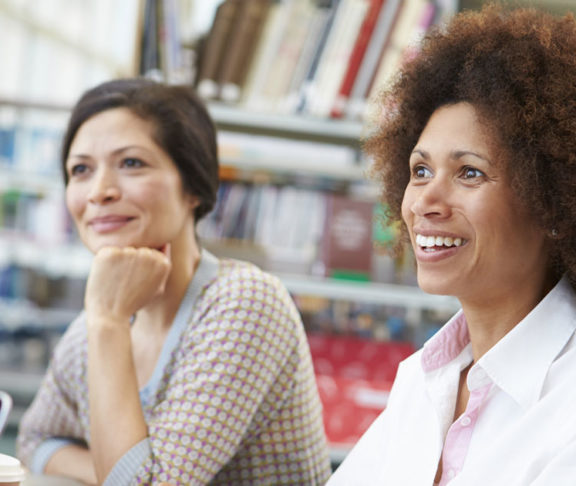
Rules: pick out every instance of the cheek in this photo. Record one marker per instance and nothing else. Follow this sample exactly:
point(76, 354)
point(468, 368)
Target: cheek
point(74, 202)
point(161, 197)
point(406, 205)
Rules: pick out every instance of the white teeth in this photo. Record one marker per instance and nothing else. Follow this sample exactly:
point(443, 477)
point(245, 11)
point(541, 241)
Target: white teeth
point(431, 241)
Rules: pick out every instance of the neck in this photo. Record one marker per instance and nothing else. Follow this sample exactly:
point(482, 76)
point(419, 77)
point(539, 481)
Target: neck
point(489, 321)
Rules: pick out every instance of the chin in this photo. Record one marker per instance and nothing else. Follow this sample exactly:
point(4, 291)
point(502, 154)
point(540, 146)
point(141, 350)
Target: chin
point(96, 246)
point(436, 286)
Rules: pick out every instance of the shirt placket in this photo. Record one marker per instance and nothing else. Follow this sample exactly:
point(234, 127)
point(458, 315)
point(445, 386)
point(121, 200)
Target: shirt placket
point(460, 433)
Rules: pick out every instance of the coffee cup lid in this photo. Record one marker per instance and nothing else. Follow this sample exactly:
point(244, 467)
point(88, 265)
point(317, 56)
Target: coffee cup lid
point(10, 469)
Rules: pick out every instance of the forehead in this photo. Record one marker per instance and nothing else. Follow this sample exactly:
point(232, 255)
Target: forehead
point(115, 125)
point(458, 121)
point(462, 127)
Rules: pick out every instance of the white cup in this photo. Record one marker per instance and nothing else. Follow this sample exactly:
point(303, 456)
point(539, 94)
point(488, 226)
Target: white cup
point(11, 471)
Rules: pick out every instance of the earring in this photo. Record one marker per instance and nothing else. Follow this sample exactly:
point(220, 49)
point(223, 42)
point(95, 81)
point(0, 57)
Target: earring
point(554, 233)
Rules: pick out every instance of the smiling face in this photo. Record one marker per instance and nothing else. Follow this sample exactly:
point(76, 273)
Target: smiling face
point(123, 189)
point(471, 236)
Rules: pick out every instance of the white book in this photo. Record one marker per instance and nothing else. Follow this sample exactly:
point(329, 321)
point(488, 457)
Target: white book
point(289, 55)
point(266, 51)
point(405, 32)
point(334, 62)
point(289, 104)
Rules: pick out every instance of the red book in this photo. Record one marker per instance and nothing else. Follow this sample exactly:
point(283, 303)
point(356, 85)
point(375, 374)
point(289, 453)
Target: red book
point(356, 57)
point(347, 246)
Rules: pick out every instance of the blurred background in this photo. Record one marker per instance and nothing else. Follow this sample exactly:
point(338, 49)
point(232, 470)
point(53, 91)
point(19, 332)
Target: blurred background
point(289, 84)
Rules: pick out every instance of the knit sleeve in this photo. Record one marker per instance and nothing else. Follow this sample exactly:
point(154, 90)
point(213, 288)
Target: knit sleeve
point(228, 379)
point(52, 420)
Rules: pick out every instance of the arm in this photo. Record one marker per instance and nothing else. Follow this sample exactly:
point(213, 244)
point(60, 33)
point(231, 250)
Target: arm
point(221, 385)
point(54, 421)
point(73, 461)
point(121, 281)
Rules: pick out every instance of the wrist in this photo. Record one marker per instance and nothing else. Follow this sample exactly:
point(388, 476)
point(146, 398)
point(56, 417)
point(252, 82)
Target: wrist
point(108, 321)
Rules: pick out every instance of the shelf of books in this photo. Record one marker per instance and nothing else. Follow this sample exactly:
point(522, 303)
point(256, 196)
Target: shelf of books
point(318, 58)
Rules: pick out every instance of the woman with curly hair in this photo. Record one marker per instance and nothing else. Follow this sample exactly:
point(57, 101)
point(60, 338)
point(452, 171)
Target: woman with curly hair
point(476, 153)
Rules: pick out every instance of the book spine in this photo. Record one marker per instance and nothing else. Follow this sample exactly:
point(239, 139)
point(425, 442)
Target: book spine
point(214, 48)
point(260, 69)
point(356, 57)
point(282, 69)
point(317, 23)
point(240, 47)
point(374, 52)
point(307, 89)
point(402, 36)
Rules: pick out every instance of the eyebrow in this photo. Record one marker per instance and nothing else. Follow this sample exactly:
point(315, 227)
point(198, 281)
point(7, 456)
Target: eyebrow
point(455, 154)
point(114, 152)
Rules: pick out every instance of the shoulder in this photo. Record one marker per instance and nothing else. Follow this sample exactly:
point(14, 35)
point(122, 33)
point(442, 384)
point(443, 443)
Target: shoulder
point(243, 293)
point(247, 273)
point(239, 280)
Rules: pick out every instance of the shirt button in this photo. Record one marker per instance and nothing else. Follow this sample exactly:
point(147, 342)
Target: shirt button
point(479, 374)
point(465, 421)
point(451, 473)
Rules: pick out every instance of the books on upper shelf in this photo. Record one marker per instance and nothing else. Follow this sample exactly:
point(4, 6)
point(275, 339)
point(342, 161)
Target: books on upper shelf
point(229, 48)
point(320, 58)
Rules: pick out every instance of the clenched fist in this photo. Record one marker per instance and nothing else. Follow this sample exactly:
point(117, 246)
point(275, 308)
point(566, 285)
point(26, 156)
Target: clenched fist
point(123, 280)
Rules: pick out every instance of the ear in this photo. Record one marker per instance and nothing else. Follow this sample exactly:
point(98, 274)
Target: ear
point(193, 201)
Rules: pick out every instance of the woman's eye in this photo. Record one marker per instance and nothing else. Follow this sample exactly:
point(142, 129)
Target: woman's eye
point(421, 172)
point(471, 173)
point(78, 169)
point(131, 162)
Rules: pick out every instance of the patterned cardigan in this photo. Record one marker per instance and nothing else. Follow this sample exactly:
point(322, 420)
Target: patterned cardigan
point(232, 399)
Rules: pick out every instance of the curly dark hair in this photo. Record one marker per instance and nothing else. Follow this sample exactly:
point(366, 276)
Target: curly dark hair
point(517, 67)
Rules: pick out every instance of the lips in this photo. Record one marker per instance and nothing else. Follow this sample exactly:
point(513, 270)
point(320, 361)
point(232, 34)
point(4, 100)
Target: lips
point(106, 224)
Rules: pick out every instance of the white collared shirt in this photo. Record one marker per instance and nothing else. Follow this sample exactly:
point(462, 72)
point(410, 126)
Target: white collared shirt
point(519, 427)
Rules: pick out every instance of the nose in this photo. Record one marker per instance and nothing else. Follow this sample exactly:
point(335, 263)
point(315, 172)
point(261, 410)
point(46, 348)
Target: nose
point(104, 187)
point(432, 199)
